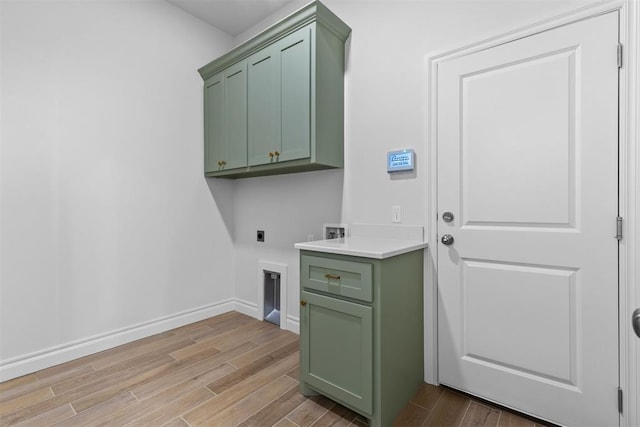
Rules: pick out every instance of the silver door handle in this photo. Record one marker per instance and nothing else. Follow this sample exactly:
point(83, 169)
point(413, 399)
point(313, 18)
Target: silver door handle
point(447, 239)
point(635, 321)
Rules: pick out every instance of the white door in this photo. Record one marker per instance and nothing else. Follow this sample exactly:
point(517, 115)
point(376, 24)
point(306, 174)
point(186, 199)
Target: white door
point(528, 167)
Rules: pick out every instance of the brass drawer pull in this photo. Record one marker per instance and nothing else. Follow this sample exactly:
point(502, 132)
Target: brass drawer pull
point(303, 303)
point(332, 276)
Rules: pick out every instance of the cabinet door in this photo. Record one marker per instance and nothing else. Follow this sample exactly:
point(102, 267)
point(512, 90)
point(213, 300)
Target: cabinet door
point(235, 82)
point(263, 106)
point(336, 349)
point(294, 53)
point(214, 123)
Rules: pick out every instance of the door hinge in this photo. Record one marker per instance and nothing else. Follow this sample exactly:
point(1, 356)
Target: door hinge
point(619, 55)
point(618, 228)
point(619, 400)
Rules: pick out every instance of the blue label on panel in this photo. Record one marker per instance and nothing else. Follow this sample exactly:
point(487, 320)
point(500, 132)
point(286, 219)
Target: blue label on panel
point(400, 160)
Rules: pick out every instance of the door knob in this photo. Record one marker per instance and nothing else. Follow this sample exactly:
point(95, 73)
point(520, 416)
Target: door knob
point(635, 321)
point(447, 239)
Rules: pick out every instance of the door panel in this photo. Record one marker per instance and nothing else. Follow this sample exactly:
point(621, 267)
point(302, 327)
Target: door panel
point(236, 95)
point(215, 133)
point(527, 163)
point(336, 354)
point(263, 106)
point(536, 185)
point(295, 79)
point(508, 345)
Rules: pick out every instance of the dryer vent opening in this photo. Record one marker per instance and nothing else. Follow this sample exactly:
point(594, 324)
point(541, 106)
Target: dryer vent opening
point(272, 297)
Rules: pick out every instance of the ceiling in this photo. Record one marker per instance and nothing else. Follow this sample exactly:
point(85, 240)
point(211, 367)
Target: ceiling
point(230, 16)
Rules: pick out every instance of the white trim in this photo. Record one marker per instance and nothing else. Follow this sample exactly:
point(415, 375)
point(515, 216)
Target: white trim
point(293, 324)
point(629, 210)
point(246, 307)
point(22, 365)
point(629, 187)
point(494, 40)
point(264, 266)
point(430, 317)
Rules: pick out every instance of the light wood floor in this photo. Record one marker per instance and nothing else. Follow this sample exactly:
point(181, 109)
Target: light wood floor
point(223, 371)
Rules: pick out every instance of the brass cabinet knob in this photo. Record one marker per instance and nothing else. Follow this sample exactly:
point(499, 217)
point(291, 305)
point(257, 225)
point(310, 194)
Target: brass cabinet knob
point(271, 154)
point(276, 153)
point(303, 303)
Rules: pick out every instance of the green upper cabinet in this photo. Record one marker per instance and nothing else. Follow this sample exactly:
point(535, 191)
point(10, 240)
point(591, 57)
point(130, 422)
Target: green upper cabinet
point(292, 118)
point(263, 106)
point(225, 110)
point(295, 95)
point(279, 100)
point(214, 111)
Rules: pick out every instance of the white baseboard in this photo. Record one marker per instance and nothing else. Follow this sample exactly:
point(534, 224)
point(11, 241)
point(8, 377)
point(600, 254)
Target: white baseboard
point(293, 324)
point(29, 363)
point(246, 307)
point(22, 365)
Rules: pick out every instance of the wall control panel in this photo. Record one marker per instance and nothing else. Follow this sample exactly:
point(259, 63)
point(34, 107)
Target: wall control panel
point(401, 161)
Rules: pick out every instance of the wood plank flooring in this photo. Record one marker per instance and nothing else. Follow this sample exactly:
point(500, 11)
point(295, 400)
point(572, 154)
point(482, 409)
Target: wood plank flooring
point(229, 370)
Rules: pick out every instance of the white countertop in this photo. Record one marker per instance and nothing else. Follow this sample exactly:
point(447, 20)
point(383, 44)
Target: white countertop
point(368, 247)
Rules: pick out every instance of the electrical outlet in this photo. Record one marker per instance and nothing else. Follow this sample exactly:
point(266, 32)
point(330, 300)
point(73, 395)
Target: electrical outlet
point(396, 214)
point(260, 235)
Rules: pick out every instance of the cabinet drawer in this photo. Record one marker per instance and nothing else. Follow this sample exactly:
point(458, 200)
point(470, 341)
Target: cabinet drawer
point(350, 279)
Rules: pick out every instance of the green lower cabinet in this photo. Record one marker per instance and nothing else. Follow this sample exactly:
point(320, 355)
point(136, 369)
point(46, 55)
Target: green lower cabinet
point(338, 349)
point(361, 332)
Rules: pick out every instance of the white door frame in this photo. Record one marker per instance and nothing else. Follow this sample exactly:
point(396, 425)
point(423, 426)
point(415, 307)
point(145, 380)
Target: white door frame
point(629, 203)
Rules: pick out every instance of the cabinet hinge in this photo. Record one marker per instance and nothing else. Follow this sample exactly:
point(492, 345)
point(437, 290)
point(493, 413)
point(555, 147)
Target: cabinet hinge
point(618, 228)
point(619, 55)
point(619, 400)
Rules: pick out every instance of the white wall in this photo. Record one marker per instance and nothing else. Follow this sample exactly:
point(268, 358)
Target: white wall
point(385, 99)
point(288, 208)
point(107, 222)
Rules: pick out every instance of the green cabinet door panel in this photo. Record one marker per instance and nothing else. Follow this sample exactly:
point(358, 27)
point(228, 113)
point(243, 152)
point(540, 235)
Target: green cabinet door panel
point(263, 106)
point(279, 100)
point(295, 94)
point(225, 118)
point(214, 131)
point(337, 342)
point(236, 116)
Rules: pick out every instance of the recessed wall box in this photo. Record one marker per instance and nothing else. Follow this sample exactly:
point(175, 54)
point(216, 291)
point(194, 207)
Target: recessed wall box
point(335, 231)
point(401, 161)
